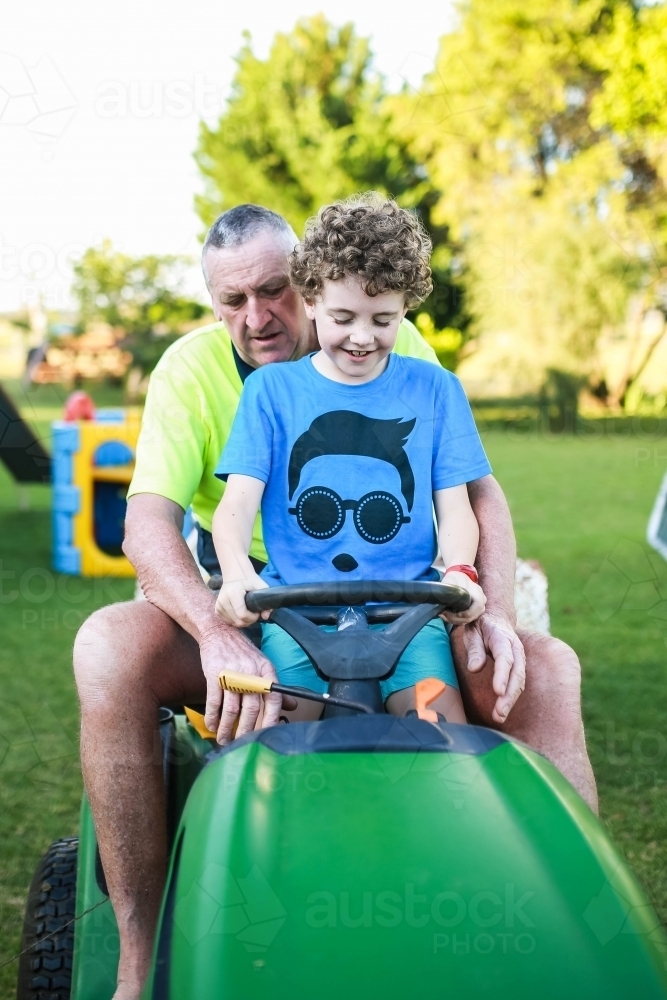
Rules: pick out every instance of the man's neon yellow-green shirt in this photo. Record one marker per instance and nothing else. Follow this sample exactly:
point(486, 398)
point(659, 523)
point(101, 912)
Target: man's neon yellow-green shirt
point(192, 399)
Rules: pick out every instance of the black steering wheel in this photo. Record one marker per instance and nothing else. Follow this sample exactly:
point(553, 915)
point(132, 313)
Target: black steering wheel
point(356, 653)
point(321, 602)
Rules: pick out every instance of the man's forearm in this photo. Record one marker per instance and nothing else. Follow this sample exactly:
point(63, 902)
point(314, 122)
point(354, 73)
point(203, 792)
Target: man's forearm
point(496, 554)
point(164, 565)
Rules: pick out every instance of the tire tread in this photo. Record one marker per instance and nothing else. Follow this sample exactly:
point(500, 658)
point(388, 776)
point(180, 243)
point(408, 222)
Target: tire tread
point(45, 969)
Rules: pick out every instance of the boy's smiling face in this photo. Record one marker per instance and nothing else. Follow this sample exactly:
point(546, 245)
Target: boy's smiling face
point(356, 331)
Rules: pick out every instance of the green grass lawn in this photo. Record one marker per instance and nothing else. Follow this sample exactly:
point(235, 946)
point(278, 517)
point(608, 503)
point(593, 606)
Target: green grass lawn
point(40, 611)
point(580, 506)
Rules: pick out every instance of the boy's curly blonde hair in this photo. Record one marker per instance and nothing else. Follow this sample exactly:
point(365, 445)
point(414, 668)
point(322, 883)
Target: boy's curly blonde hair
point(369, 236)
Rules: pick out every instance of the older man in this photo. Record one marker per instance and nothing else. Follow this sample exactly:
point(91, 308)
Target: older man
point(131, 658)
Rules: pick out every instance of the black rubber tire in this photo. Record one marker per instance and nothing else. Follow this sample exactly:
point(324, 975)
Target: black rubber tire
point(45, 970)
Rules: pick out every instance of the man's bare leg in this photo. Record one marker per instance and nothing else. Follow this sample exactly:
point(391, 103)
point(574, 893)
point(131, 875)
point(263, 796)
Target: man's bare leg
point(547, 715)
point(129, 659)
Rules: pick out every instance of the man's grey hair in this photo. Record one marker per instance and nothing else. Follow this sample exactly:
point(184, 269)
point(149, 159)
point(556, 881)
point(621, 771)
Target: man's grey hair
point(241, 224)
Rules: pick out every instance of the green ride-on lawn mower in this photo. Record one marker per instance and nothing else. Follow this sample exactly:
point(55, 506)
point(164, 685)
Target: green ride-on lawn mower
point(359, 856)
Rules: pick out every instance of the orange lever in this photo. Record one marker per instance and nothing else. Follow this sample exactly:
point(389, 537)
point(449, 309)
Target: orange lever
point(427, 691)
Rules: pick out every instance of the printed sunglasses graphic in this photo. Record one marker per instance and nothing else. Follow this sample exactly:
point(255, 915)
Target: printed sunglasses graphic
point(320, 513)
point(378, 515)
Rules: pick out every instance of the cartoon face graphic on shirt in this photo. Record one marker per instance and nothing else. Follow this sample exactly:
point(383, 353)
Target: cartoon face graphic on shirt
point(377, 513)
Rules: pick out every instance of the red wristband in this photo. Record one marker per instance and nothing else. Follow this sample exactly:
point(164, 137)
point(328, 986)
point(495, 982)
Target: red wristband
point(469, 571)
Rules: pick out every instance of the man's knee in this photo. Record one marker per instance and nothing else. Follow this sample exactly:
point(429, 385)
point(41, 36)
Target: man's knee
point(550, 662)
point(101, 650)
point(136, 655)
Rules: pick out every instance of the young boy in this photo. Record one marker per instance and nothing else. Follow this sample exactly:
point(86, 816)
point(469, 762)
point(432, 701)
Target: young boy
point(349, 450)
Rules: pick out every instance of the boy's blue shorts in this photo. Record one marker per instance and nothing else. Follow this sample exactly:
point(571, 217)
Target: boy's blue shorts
point(428, 655)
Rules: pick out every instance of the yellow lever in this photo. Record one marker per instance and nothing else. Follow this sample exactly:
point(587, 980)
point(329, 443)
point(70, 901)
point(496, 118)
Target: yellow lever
point(196, 720)
point(243, 683)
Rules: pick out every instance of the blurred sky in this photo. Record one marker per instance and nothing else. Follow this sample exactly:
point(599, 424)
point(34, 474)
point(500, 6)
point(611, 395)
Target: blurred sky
point(76, 167)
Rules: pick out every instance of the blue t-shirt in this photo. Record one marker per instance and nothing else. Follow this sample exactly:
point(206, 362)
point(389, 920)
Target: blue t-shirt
point(350, 470)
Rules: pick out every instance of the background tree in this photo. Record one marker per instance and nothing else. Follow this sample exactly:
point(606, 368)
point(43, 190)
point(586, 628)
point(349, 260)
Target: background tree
point(142, 296)
point(313, 123)
point(535, 153)
point(543, 127)
point(632, 103)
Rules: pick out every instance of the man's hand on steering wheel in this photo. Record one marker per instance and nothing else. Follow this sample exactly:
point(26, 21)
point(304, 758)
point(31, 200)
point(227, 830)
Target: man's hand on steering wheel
point(493, 636)
point(226, 648)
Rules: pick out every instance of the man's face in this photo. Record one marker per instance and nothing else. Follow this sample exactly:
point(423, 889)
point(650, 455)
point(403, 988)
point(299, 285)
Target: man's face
point(252, 296)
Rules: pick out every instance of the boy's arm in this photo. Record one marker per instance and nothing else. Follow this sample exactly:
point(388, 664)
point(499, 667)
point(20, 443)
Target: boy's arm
point(232, 534)
point(458, 537)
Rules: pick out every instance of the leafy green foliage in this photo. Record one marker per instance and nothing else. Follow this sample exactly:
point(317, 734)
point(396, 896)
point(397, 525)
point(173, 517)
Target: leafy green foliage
point(446, 343)
point(313, 123)
point(304, 127)
point(634, 58)
point(142, 296)
point(543, 127)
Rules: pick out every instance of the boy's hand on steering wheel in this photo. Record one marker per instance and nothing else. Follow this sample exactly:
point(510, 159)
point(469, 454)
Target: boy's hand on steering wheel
point(230, 605)
point(476, 593)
